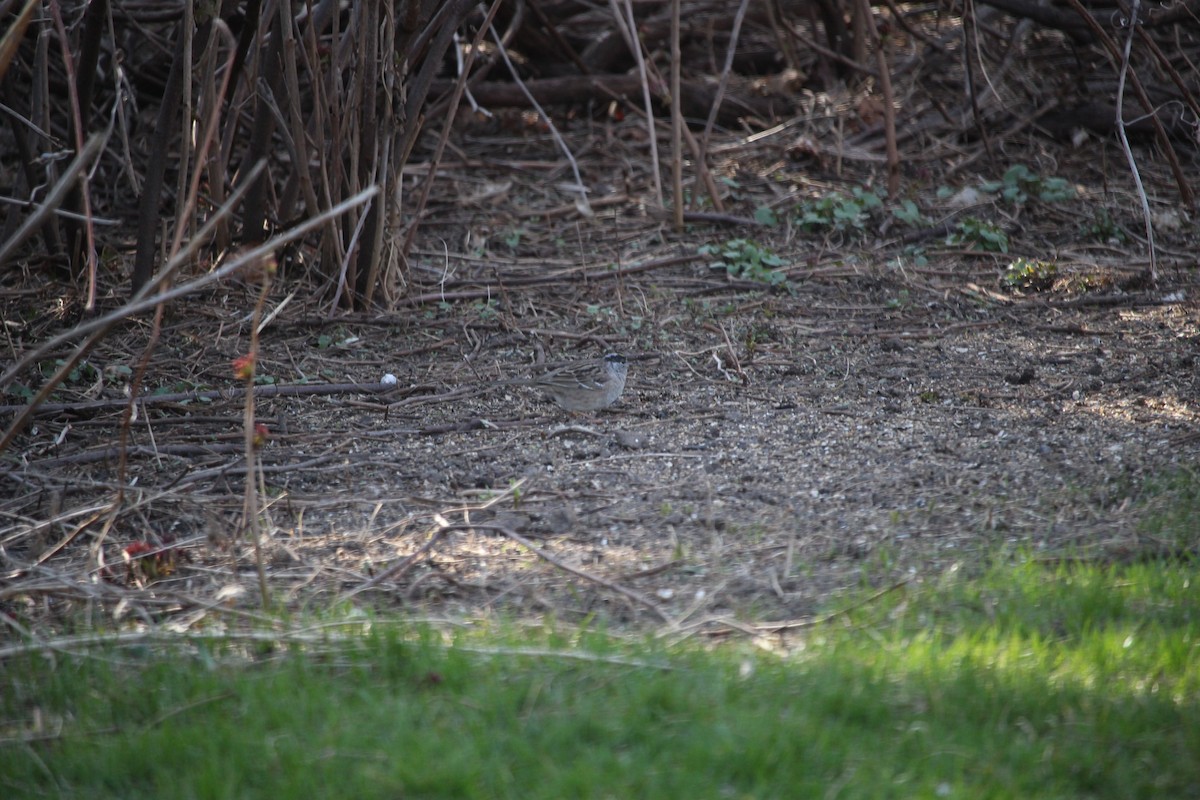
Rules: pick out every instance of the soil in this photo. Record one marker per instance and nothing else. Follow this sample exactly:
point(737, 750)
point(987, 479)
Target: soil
point(893, 410)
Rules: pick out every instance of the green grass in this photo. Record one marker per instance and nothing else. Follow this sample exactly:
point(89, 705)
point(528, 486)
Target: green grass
point(1028, 681)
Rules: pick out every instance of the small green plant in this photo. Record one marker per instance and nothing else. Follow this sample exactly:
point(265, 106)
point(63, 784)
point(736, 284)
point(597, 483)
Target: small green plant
point(1049, 676)
point(512, 238)
point(911, 256)
point(81, 373)
point(766, 215)
point(19, 392)
point(1024, 274)
point(485, 310)
point(600, 312)
point(180, 387)
point(1173, 503)
point(1019, 184)
point(760, 333)
point(746, 259)
point(1105, 229)
point(338, 338)
point(737, 191)
point(975, 233)
point(700, 310)
point(840, 213)
point(704, 201)
point(909, 213)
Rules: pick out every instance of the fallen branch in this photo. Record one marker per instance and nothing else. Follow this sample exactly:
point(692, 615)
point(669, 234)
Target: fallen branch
point(232, 393)
point(637, 597)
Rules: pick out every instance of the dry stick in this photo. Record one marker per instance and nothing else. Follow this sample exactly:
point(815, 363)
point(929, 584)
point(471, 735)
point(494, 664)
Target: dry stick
point(210, 132)
point(697, 151)
point(143, 302)
point(90, 39)
point(135, 388)
point(628, 29)
point(913, 32)
point(180, 223)
point(1160, 135)
point(10, 43)
point(54, 550)
point(1133, 167)
point(344, 260)
point(107, 454)
point(442, 525)
point(183, 159)
point(321, 127)
point(581, 199)
point(255, 211)
point(388, 268)
point(713, 218)
point(351, 173)
point(451, 111)
point(156, 166)
point(971, 32)
point(1169, 68)
point(833, 55)
point(737, 364)
point(274, 390)
point(958, 166)
point(555, 34)
point(882, 51)
point(700, 162)
point(705, 173)
point(186, 452)
point(288, 139)
point(77, 119)
point(373, 143)
point(779, 29)
point(397, 571)
point(250, 500)
point(298, 635)
point(291, 80)
point(213, 165)
point(227, 471)
point(790, 625)
point(74, 171)
point(432, 45)
point(676, 121)
point(637, 597)
point(586, 277)
point(97, 328)
point(726, 71)
point(193, 189)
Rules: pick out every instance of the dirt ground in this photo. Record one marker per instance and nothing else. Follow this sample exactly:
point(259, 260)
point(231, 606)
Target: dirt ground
point(890, 412)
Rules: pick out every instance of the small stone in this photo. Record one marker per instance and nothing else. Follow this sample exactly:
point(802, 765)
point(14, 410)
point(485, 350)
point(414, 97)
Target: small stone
point(631, 440)
point(1021, 378)
point(518, 523)
point(560, 519)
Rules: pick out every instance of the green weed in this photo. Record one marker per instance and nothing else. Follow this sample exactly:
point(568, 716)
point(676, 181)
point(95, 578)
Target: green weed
point(1024, 680)
point(746, 259)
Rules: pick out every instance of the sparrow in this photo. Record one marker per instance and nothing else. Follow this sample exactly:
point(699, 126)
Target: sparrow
point(584, 385)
